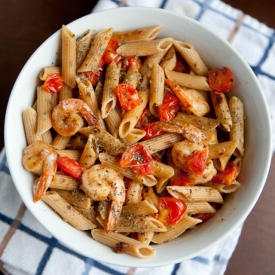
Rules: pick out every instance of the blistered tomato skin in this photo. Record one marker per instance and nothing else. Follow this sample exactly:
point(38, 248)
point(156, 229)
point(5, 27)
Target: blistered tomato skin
point(53, 83)
point(70, 167)
point(220, 80)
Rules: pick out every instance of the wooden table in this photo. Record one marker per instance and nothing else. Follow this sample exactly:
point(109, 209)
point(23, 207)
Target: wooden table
point(26, 24)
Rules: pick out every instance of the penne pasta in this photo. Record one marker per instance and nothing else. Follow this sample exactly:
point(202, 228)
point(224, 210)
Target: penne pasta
point(67, 212)
point(48, 70)
point(222, 149)
point(83, 44)
point(122, 243)
point(145, 48)
point(68, 56)
point(96, 51)
point(141, 208)
point(192, 57)
point(90, 153)
point(64, 182)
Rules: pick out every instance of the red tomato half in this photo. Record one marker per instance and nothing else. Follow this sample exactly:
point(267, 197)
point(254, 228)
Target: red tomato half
point(169, 108)
point(196, 162)
point(171, 210)
point(138, 158)
point(53, 83)
point(151, 132)
point(70, 167)
point(110, 53)
point(220, 80)
point(145, 119)
point(95, 76)
point(181, 179)
point(227, 176)
point(128, 96)
point(127, 62)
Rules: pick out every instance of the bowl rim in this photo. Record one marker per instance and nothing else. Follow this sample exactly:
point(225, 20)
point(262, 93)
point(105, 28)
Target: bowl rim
point(144, 263)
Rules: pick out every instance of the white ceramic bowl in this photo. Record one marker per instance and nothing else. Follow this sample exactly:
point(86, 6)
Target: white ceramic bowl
point(216, 53)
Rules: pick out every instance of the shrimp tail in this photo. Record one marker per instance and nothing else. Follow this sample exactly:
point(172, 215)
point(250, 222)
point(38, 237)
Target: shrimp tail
point(89, 116)
point(41, 188)
point(113, 216)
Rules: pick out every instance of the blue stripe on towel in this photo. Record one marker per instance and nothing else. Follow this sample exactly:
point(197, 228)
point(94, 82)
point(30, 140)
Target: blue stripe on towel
point(201, 260)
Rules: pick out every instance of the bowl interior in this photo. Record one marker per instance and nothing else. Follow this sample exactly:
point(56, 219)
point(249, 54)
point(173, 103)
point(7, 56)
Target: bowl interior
point(215, 53)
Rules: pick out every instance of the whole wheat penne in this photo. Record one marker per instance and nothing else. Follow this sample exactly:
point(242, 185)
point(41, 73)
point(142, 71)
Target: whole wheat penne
point(131, 117)
point(104, 139)
point(222, 149)
point(30, 122)
point(238, 161)
point(156, 89)
point(174, 231)
point(221, 110)
point(90, 214)
point(199, 207)
point(139, 224)
point(145, 48)
point(203, 123)
point(44, 110)
point(113, 121)
point(237, 130)
point(96, 51)
point(191, 56)
point(195, 193)
point(119, 242)
point(83, 44)
point(169, 60)
point(195, 82)
point(145, 237)
point(225, 189)
point(139, 34)
point(163, 172)
point(60, 142)
point(68, 56)
point(48, 70)
point(220, 163)
point(65, 92)
point(77, 143)
point(73, 154)
point(113, 162)
point(132, 76)
point(67, 212)
point(141, 208)
point(134, 136)
point(109, 97)
point(77, 199)
point(64, 182)
point(47, 137)
point(87, 94)
point(90, 152)
point(149, 195)
point(161, 142)
point(133, 192)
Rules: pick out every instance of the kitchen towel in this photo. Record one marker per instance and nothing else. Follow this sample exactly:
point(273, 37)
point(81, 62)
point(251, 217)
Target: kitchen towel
point(27, 248)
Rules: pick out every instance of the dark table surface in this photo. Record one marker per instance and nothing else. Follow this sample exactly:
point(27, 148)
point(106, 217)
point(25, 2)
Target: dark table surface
point(26, 24)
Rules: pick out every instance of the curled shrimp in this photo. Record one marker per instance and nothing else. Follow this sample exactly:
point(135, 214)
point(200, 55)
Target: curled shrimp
point(190, 132)
point(102, 183)
point(40, 159)
point(192, 158)
point(67, 116)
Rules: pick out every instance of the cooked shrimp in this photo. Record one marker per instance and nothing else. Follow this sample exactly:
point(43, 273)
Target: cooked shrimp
point(102, 183)
point(67, 116)
point(192, 158)
point(190, 132)
point(40, 159)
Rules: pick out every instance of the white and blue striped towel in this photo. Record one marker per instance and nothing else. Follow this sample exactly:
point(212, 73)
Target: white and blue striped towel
point(27, 248)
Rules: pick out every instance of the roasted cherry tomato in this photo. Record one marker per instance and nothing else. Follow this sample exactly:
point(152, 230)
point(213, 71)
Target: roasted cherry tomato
point(220, 80)
point(169, 108)
point(145, 119)
point(196, 162)
point(181, 179)
point(110, 53)
point(171, 210)
point(138, 158)
point(53, 83)
point(128, 96)
point(227, 176)
point(181, 65)
point(127, 62)
point(95, 76)
point(151, 132)
point(70, 167)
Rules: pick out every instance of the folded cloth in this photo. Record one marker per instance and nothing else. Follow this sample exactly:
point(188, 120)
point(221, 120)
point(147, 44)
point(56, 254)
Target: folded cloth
point(27, 248)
